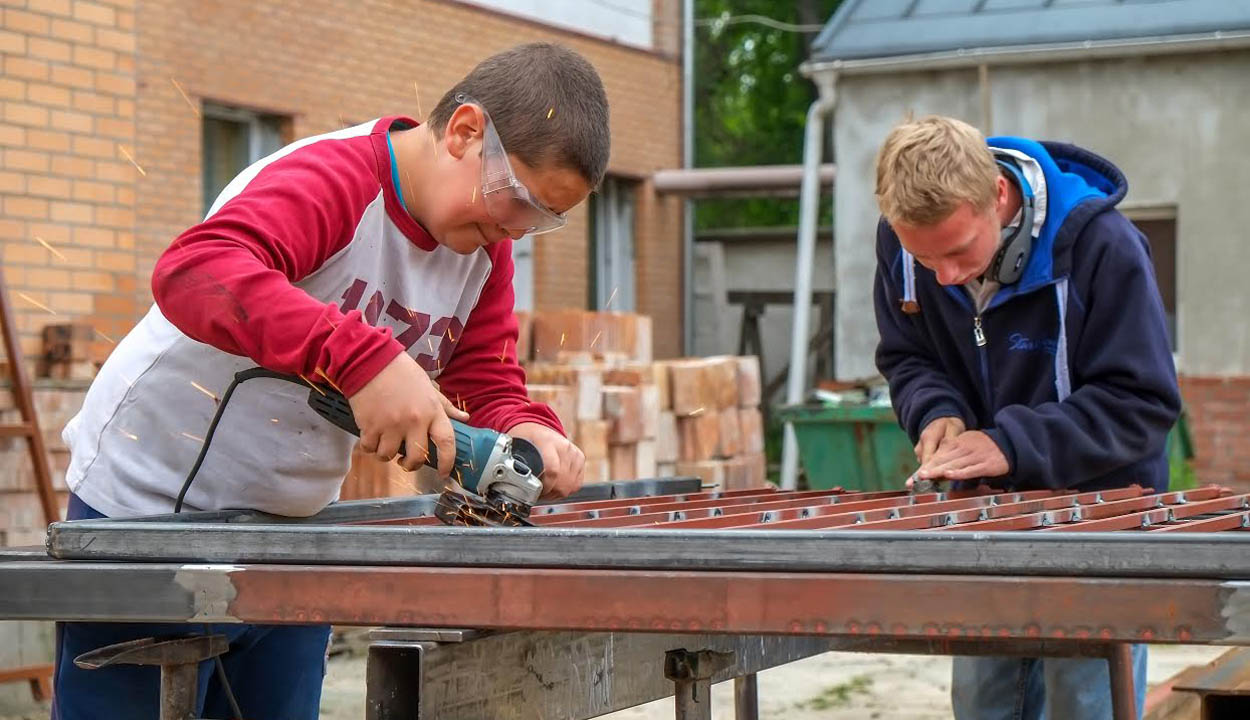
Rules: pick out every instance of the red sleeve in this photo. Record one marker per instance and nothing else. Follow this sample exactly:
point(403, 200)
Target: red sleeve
point(227, 281)
point(483, 373)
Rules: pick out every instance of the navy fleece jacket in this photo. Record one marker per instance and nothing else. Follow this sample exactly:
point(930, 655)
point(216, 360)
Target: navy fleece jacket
point(1075, 383)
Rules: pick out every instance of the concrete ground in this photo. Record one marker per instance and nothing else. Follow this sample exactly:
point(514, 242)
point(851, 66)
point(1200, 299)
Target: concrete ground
point(835, 686)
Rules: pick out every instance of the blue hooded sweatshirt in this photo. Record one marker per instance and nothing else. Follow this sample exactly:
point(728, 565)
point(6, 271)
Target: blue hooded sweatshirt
point(1075, 381)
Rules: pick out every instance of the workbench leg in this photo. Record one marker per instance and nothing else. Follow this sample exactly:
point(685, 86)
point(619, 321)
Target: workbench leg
point(1123, 694)
point(393, 683)
point(179, 691)
point(747, 698)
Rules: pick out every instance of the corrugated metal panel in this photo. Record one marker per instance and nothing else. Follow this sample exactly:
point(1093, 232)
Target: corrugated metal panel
point(886, 28)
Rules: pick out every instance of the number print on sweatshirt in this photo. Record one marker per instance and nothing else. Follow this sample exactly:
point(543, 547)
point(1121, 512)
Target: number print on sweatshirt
point(410, 326)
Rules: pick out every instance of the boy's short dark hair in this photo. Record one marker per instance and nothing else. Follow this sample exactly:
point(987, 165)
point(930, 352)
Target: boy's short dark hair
point(546, 101)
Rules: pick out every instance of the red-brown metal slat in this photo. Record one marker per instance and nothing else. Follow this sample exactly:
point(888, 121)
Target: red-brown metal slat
point(1178, 508)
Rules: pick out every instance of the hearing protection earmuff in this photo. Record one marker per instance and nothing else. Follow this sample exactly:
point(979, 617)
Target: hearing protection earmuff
point(1016, 242)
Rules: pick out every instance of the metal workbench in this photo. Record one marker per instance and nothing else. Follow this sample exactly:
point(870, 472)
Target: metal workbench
point(1076, 574)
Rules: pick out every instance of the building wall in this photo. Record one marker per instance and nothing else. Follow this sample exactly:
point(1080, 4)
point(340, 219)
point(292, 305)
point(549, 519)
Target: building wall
point(68, 98)
point(86, 83)
point(1174, 124)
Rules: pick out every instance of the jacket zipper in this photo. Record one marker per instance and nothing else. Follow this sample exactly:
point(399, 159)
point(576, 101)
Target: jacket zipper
point(978, 334)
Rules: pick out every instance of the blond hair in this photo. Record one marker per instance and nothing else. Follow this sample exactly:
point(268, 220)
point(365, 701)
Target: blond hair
point(928, 167)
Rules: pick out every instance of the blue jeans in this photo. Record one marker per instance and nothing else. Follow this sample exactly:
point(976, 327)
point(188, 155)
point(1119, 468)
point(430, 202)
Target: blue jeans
point(1012, 688)
point(275, 671)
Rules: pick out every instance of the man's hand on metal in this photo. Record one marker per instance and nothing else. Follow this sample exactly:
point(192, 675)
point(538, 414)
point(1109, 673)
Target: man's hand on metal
point(934, 434)
point(968, 456)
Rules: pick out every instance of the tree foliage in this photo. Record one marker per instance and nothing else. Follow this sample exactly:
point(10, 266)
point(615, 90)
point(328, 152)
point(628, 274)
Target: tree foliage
point(750, 100)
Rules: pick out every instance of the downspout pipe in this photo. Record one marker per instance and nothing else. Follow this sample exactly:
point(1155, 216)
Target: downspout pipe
point(818, 116)
point(687, 150)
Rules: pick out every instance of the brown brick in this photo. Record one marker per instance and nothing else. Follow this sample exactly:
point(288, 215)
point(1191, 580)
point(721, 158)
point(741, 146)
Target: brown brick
point(95, 147)
point(48, 186)
point(28, 253)
point(48, 140)
point(115, 171)
point(125, 19)
point(12, 135)
point(24, 67)
point(125, 108)
point(71, 302)
point(94, 102)
point(49, 49)
point(26, 160)
point(55, 233)
point(73, 31)
point(26, 22)
point(47, 279)
point(96, 192)
point(72, 121)
point(115, 83)
point(25, 114)
point(73, 166)
point(112, 260)
point(93, 281)
point(115, 128)
point(13, 43)
point(73, 76)
point(95, 58)
point(53, 95)
point(95, 13)
point(115, 217)
point(12, 183)
point(55, 7)
point(73, 212)
point(120, 41)
point(12, 89)
point(115, 305)
point(26, 207)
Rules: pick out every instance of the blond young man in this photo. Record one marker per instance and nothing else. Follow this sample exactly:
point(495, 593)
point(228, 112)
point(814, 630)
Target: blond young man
point(1024, 340)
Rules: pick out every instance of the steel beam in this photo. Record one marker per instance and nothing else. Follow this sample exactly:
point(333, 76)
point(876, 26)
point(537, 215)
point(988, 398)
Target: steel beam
point(1119, 554)
point(915, 606)
point(568, 675)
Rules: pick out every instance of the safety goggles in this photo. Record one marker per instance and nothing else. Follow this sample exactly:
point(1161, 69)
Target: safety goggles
point(508, 201)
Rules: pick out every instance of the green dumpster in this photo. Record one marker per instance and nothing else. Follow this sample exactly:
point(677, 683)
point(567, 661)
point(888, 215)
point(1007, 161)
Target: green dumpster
point(854, 446)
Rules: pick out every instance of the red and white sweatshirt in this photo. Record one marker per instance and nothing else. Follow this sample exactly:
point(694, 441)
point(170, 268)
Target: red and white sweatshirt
point(307, 263)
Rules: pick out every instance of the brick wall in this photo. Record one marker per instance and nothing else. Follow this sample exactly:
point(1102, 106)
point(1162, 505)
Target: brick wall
point(68, 107)
point(1219, 421)
point(21, 516)
point(325, 62)
point(85, 82)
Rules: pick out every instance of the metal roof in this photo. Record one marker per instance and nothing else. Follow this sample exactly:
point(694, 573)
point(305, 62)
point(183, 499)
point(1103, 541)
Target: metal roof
point(863, 29)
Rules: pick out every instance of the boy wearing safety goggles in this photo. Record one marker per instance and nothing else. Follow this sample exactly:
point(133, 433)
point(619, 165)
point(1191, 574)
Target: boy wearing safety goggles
point(376, 259)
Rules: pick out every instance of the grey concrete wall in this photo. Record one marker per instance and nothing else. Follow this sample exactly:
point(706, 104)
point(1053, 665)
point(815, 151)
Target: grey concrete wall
point(1179, 127)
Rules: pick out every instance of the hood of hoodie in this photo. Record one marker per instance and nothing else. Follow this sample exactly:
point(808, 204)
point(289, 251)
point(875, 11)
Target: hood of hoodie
point(1080, 184)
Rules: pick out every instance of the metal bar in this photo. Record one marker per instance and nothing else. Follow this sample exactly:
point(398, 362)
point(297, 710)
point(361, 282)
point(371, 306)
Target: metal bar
point(747, 697)
point(1217, 555)
point(566, 675)
point(1156, 516)
point(1123, 694)
point(1120, 609)
point(1231, 521)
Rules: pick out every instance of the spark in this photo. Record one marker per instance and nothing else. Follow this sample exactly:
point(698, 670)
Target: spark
point(332, 325)
point(449, 335)
point(611, 298)
point(130, 435)
point(473, 199)
point(592, 342)
point(342, 123)
point(561, 339)
point(430, 341)
point(35, 302)
point(184, 95)
point(311, 385)
point(126, 152)
point(106, 337)
point(322, 373)
point(50, 249)
point(504, 354)
point(204, 390)
point(551, 111)
point(417, 90)
point(273, 420)
point(697, 411)
point(189, 436)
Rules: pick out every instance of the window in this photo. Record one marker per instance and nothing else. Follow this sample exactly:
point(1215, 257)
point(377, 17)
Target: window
point(625, 21)
point(523, 272)
point(1159, 227)
point(233, 139)
point(612, 245)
